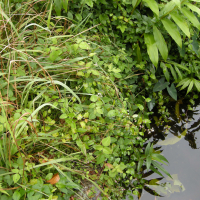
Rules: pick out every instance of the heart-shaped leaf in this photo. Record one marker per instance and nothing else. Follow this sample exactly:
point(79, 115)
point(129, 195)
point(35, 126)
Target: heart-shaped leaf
point(160, 85)
point(172, 91)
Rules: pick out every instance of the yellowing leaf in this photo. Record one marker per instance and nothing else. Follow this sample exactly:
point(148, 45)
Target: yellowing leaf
point(54, 179)
point(110, 166)
point(173, 140)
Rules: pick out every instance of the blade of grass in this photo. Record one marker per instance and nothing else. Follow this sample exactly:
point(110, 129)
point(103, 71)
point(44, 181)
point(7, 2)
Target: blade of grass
point(29, 118)
point(9, 20)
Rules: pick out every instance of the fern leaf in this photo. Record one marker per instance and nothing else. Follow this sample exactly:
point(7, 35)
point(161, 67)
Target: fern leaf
point(190, 86)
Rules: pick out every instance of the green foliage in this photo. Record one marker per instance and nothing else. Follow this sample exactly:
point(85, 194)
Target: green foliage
point(77, 84)
point(126, 23)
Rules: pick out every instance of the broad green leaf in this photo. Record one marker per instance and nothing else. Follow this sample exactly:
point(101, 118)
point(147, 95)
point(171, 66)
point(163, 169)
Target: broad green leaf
point(84, 45)
point(63, 116)
point(160, 85)
point(148, 162)
point(98, 147)
point(100, 159)
point(58, 6)
point(54, 55)
point(182, 50)
point(16, 177)
point(141, 107)
point(73, 127)
point(48, 176)
point(82, 130)
point(146, 121)
point(89, 3)
point(152, 49)
point(93, 98)
point(107, 150)
point(193, 7)
point(160, 42)
point(147, 149)
point(197, 84)
point(172, 30)
point(190, 86)
point(95, 72)
point(173, 140)
point(178, 3)
point(3, 191)
point(195, 44)
point(165, 71)
point(167, 8)
point(155, 170)
point(72, 185)
point(181, 23)
point(16, 195)
point(79, 17)
point(153, 5)
point(135, 3)
point(140, 163)
point(159, 157)
point(106, 141)
point(81, 145)
point(191, 17)
point(151, 104)
point(151, 150)
point(111, 113)
point(160, 168)
point(65, 5)
point(172, 91)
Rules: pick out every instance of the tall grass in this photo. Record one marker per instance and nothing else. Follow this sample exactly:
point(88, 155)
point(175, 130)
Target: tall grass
point(39, 63)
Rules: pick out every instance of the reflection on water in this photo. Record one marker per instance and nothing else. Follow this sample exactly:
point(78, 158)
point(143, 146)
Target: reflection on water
point(181, 148)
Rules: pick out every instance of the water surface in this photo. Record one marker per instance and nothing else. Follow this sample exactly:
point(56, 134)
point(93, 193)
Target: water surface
point(183, 157)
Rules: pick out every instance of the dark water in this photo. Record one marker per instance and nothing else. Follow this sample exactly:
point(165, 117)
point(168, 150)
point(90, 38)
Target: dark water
point(183, 157)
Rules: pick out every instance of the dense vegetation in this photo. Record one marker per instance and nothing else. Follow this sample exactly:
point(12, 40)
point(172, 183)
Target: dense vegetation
point(78, 83)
